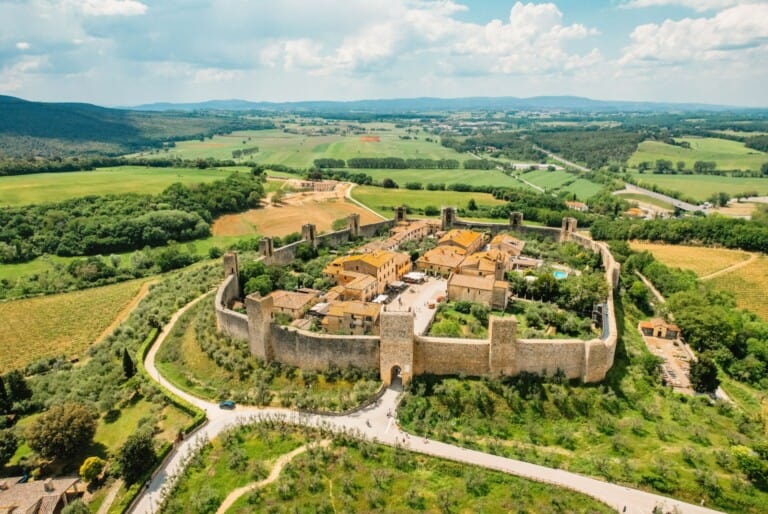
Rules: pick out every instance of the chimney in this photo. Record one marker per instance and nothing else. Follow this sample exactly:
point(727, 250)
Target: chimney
point(48, 485)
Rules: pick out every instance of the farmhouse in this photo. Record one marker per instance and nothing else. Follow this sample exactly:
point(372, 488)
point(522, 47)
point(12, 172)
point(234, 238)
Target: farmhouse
point(293, 303)
point(352, 317)
point(37, 497)
point(577, 206)
point(384, 266)
point(479, 289)
point(657, 327)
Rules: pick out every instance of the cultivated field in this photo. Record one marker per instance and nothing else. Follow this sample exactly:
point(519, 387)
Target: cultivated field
point(749, 284)
point(384, 201)
point(727, 154)
point(701, 187)
point(459, 176)
point(59, 325)
point(322, 209)
point(701, 260)
point(298, 150)
point(51, 187)
point(641, 198)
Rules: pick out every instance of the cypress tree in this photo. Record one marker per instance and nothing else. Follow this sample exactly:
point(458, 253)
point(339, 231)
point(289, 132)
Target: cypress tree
point(128, 367)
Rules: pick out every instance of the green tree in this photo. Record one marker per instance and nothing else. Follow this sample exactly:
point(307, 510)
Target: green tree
point(261, 284)
point(8, 446)
point(62, 431)
point(389, 183)
point(764, 168)
point(136, 456)
point(703, 375)
point(91, 468)
point(76, 507)
point(18, 390)
point(129, 369)
point(472, 205)
point(5, 401)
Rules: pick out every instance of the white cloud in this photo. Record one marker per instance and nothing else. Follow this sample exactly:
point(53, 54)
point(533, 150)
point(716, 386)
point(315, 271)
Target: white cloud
point(727, 35)
point(111, 7)
point(23, 45)
point(697, 5)
point(209, 75)
point(12, 77)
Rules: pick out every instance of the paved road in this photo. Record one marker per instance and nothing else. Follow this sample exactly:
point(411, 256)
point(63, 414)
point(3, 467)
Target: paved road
point(376, 422)
point(631, 188)
point(560, 159)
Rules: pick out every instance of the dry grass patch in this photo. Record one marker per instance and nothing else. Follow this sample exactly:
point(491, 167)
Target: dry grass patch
point(699, 259)
point(749, 284)
point(63, 324)
point(288, 218)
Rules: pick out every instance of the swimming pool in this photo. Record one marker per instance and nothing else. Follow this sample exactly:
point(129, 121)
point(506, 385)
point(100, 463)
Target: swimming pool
point(560, 275)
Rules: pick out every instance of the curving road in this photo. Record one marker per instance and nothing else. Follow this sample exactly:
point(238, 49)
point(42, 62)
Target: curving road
point(375, 423)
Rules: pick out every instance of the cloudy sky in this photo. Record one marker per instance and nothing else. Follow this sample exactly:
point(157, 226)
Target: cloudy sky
point(127, 52)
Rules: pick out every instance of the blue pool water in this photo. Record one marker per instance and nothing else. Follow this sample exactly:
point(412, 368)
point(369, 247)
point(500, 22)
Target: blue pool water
point(560, 275)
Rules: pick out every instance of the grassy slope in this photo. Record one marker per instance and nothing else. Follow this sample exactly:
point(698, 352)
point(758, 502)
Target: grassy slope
point(51, 187)
point(648, 199)
point(728, 154)
point(64, 324)
point(701, 187)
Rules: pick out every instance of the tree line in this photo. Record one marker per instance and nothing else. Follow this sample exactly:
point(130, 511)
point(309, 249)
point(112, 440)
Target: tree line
point(394, 163)
point(499, 144)
point(12, 166)
point(94, 225)
point(594, 147)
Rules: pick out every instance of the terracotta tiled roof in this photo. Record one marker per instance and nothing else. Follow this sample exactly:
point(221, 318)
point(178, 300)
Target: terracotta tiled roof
point(461, 238)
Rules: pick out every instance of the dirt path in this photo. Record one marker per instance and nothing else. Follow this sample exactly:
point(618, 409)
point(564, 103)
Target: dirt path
point(734, 267)
point(110, 499)
point(126, 311)
point(281, 462)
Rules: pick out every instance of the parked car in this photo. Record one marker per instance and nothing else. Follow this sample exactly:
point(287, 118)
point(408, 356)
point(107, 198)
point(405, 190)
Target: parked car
point(227, 404)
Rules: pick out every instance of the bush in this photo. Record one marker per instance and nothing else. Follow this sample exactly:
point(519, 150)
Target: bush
point(62, 431)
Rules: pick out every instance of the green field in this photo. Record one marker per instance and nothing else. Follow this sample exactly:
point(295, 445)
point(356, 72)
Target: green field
point(727, 154)
point(562, 181)
point(51, 187)
point(701, 187)
point(299, 150)
point(460, 176)
point(647, 199)
point(384, 200)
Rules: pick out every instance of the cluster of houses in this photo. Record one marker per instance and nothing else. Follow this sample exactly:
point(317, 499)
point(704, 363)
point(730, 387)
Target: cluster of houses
point(363, 281)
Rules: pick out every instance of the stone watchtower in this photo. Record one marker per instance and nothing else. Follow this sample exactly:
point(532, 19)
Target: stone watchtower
point(568, 228)
point(400, 214)
point(266, 247)
point(259, 311)
point(515, 220)
point(231, 267)
point(353, 222)
point(447, 218)
point(309, 234)
point(502, 333)
point(396, 349)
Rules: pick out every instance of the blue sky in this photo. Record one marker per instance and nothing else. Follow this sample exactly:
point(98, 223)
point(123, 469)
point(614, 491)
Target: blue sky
point(127, 52)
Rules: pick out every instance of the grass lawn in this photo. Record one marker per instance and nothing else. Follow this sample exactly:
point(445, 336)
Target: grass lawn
point(555, 181)
point(727, 154)
point(701, 187)
point(298, 150)
point(51, 187)
point(62, 324)
point(701, 260)
point(384, 200)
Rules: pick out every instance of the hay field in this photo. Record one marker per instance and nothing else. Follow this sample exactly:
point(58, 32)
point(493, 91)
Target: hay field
point(63, 324)
point(727, 154)
point(384, 201)
point(50, 187)
point(749, 284)
point(701, 260)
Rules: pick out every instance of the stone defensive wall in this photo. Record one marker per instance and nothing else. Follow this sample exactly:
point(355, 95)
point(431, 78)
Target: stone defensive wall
point(398, 351)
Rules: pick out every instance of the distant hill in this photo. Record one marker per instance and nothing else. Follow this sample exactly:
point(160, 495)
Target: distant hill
point(506, 103)
point(37, 129)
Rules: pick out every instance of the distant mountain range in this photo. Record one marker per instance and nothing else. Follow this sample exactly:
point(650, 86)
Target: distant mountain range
point(404, 105)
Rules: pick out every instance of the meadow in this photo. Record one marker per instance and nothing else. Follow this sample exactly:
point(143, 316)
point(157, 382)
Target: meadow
point(300, 150)
point(60, 325)
point(384, 201)
point(556, 181)
point(728, 155)
point(647, 199)
point(702, 187)
point(353, 476)
point(52, 187)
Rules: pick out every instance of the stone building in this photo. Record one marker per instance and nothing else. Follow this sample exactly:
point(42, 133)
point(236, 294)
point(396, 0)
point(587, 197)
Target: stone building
point(508, 244)
point(293, 303)
point(479, 289)
point(441, 261)
point(384, 266)
point(352, 317)
point(657, 327)
point(468, 241)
